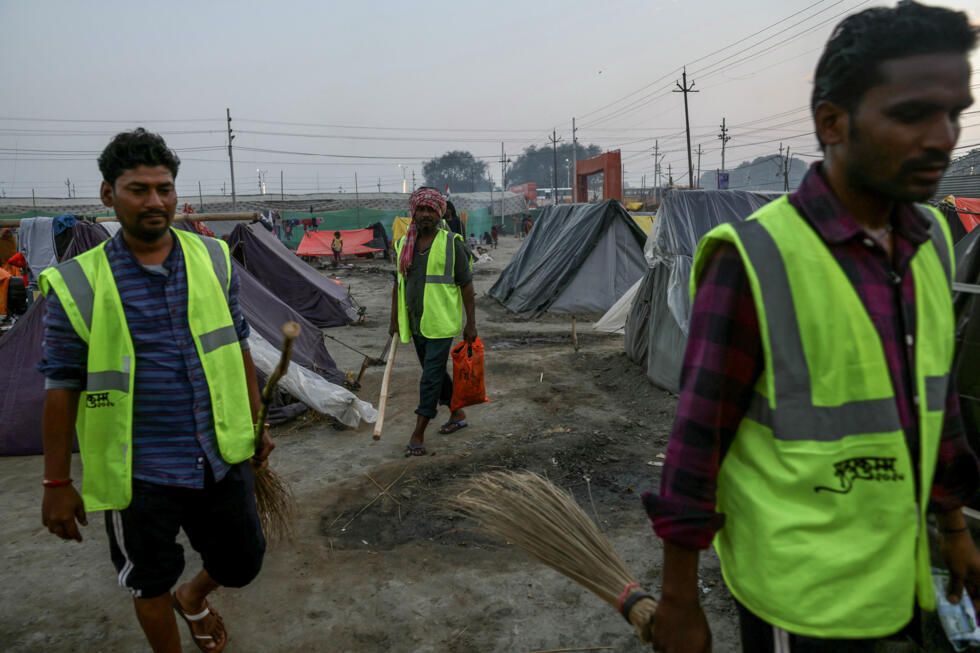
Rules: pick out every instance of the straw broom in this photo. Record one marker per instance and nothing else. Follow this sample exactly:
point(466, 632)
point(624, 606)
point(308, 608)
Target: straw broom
point(528, 510)
point(273, 497)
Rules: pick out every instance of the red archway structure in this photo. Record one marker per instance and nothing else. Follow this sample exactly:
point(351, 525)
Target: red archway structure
point(610, 165)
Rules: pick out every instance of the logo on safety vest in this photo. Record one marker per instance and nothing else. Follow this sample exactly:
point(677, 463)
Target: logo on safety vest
point(98, 400)
point(862, 469)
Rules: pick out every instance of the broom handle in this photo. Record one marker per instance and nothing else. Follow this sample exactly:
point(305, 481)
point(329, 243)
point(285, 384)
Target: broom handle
point(383, 401)
point(290, 331)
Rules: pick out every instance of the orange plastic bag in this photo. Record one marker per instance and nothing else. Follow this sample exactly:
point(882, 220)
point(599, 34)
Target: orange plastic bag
point(468, 386)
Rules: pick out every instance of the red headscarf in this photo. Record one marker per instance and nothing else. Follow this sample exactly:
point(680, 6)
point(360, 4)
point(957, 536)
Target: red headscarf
point(431, 198)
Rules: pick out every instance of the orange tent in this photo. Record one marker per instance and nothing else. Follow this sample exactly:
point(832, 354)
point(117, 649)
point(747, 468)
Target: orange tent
point(317, 243)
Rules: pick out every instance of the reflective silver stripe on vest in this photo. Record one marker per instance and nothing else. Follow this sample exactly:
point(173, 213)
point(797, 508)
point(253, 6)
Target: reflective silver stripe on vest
point(447, 275)
point(971, 288)
point(795, 416)
point(218, 261)
point(109, 380)
point(218, 338)
point(938, 241)
point(80, 288)
point(936, 392)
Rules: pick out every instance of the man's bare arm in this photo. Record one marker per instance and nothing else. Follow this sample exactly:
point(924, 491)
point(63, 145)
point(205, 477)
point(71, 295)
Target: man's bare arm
point(265, 445)
point(61, 505)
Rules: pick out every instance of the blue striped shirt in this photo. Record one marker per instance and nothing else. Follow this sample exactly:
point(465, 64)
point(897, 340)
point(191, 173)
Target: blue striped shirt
point(173, 428)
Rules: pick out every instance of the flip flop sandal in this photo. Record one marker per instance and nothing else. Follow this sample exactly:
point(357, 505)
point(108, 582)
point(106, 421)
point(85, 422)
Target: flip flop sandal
point(216, 638)
point(452, 426)
point(413, 450)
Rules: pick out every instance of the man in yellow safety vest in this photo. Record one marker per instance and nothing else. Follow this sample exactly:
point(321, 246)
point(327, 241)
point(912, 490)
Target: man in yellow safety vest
point(146, 358)
point(817, 422)
point(434, 285)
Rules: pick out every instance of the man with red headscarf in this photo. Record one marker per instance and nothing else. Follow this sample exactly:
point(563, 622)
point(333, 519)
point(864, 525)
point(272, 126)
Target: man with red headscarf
point(434, 286)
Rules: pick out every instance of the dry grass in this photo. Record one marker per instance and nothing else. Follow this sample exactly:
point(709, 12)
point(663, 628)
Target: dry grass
point(275, 503)
point(528, 510)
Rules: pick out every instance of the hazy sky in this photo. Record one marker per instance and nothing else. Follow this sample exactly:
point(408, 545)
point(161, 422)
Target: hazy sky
point(401, 81)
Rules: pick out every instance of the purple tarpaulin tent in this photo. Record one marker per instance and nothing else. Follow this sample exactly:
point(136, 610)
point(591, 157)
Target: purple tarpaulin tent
point(314, 296)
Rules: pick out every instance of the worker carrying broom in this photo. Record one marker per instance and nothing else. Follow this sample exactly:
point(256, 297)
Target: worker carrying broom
point(818, 421)
point(434, 285)
point(145, 354)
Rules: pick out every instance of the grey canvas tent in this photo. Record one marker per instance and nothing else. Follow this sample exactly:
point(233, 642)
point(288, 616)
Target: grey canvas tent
point(656, 327)
point(314, 296)
point(22, 386)
point(578, 258)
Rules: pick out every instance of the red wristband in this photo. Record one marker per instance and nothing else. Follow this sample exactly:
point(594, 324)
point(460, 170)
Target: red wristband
point(626, 593)
point(56, 483)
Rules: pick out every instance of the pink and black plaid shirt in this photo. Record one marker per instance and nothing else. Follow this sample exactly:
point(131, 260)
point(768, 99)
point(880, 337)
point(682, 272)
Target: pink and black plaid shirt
point(724, 359)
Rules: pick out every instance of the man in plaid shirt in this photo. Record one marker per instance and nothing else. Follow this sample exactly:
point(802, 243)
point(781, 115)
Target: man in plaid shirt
point(888, 92)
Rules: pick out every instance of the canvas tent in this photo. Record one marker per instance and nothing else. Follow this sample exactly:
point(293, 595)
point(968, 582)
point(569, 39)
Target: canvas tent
point(314, 296)
point(356, 242)
point(656, 327)
point(22, 386)
point(578, 258)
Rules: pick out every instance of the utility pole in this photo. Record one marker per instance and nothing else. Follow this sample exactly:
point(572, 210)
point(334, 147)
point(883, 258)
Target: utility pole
point(503, 168)
point(379, 184)
point(685, 89)
point(574, 163)
point(724, 139)
point(554, 170)
point(231, 160)
point(223, 188)
point(282, 191)
point(33, 199)
point(698, 185)
point(200, 196)
point(779, 162)
point(413, 180)
point(503, 181)
point(786, 171)
point(670, 177)
point(657, 158)
point(68, 186)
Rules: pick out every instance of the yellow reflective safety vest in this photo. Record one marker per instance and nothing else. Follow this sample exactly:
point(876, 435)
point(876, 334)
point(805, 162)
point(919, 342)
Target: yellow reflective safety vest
point(442, 315)
point(824, 534)
point(87, 291)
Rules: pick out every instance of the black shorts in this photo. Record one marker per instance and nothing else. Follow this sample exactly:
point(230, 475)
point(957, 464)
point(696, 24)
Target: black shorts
point(220, 520)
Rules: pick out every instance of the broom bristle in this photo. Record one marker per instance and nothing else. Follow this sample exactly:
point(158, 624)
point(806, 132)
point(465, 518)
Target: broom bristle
point(528, 510)
point(275, 503)
point(544, 520)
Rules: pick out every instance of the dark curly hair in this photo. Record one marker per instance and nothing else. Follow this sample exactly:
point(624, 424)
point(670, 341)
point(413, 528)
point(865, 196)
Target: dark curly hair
point(849, 65)
point(128, 150)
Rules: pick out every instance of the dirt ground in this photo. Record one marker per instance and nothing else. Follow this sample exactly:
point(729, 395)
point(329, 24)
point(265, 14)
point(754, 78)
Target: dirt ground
point(403, 574)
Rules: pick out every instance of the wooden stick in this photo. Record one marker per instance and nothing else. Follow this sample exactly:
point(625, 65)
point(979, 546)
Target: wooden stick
point(574, 334)
point(180, 217)
point(383, 400)
point(290, 331)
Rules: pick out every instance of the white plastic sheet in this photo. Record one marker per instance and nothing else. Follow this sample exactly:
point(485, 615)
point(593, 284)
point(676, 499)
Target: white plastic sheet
point(614, 321)
point(310, 388)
